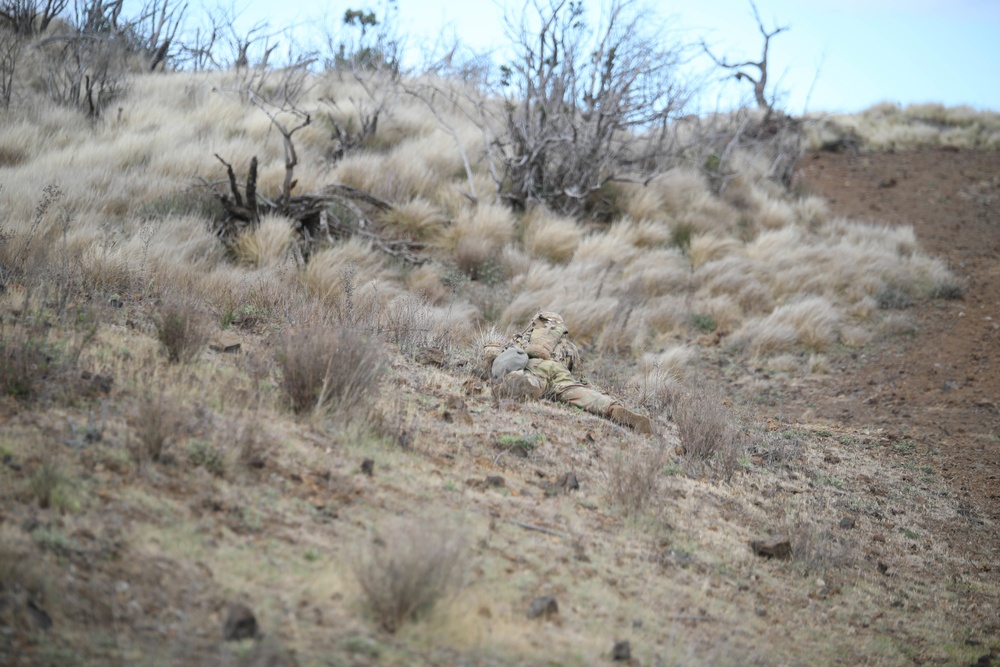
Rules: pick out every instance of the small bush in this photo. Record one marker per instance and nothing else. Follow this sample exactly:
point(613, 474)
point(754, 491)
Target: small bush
point(180, 330)
point(404, 574)
point(155, 419)
point(25, 360)
point(633, 477)
point(328, 370)
point(206, 455)
point(702, 323)
point(708, 431)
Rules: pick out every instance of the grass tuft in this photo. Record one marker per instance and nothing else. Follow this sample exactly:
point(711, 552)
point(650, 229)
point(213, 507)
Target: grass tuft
point(329, 370)
point(709, 434)
point(633, 477)
point(404, 574)
point(180, 330)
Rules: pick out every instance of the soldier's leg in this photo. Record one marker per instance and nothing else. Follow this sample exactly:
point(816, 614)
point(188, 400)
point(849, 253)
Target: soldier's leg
point(567, 389)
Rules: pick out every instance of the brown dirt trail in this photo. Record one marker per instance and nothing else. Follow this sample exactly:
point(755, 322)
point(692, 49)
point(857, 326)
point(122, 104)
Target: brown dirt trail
point(940, 387)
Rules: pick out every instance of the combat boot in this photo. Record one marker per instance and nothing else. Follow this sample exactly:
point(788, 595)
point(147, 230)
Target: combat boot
point(622, 415)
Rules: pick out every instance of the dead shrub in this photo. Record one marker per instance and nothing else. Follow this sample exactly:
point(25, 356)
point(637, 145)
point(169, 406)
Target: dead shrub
point(329, 370)
point(709, 434)
point(633, 477)
point(411, 567)
point(181, 331)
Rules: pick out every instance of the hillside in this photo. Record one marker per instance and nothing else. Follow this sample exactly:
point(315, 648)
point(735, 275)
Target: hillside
point(828, 346)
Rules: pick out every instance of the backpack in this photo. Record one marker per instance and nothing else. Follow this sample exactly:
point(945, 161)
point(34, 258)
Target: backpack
point(546, 338)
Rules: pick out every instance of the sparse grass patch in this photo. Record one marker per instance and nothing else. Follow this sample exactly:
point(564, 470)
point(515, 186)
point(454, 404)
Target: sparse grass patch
point(414, 565)
point(775, 449)
point(331, 370)
point(818, 549)
point(633, 476)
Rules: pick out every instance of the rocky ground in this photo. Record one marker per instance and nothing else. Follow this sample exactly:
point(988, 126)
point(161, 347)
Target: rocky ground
point(862, 528)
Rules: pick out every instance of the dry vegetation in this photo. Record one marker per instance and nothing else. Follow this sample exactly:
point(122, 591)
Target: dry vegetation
point(343, 469)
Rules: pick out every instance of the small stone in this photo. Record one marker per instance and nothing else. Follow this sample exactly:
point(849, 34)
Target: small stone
point(773, 546)
point(847, 522)
point(368, 467)
point(545, 606)
point(240, 623)
point(622, 651)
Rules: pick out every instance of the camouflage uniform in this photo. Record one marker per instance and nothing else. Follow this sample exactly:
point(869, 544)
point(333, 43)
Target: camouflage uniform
point(552, 356)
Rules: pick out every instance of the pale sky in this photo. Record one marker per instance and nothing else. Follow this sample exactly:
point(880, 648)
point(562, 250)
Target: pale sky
point(851, 54)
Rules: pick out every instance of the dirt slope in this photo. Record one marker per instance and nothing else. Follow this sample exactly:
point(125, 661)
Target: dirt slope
point(941, 386)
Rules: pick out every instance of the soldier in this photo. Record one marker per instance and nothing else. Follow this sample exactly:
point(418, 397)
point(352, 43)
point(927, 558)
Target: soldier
point(539, 364)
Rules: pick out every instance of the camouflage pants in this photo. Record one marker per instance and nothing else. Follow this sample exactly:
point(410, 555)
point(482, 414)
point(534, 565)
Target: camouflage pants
point(554, 381)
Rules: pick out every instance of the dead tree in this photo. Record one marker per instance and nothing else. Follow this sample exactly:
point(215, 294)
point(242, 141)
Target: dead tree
point(759, 81)
point(338, 211)
point(30, 17)
point(577, 98)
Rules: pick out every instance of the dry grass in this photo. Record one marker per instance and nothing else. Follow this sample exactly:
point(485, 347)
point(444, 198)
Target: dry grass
point(267, 244)
point(549, 236)
point(633, 476)
point(709, 432)
point(332, 371)
point(181, 329)
point(25, 359)
point(156, 420)
point(409, 568)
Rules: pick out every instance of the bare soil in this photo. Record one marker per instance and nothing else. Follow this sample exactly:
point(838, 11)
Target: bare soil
point(940, 386)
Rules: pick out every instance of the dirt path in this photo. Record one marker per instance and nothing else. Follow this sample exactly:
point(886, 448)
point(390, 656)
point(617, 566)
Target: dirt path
point(941, 387)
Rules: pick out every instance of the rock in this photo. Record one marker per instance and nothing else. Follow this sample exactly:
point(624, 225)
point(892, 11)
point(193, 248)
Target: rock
point(622, 651)
point(847, 522)
point(226, 341)
point(773, 546)
point(545, 607)
point(368, 467)
point(240, 623)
